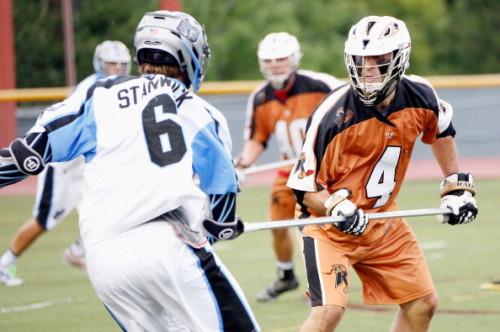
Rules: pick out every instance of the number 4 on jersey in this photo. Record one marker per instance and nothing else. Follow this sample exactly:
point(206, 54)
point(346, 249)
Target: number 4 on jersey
point(382, 181)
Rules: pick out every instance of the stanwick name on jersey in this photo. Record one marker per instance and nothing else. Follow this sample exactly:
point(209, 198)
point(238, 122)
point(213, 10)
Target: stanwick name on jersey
point(136, 93)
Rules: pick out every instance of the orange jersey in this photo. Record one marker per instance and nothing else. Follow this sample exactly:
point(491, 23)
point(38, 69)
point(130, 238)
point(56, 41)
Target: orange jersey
point(268, 114)
point(350, 145)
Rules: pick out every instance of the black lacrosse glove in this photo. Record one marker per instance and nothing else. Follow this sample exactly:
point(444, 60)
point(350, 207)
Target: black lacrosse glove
point(224, 230)
point(355, 224)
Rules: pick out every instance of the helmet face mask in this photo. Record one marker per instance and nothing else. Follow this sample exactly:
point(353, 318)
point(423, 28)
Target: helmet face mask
point(112, 58)
point(376, 55)
point(173, 38)
point(279, 57)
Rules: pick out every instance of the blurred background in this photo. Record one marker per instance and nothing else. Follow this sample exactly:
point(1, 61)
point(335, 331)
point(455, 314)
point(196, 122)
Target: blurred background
point(449, 37)
point(54, 41)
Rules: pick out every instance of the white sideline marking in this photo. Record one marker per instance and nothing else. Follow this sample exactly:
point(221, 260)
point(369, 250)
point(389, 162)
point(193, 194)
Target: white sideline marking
point(433, 245)
point(41, 305)
point(437, 255)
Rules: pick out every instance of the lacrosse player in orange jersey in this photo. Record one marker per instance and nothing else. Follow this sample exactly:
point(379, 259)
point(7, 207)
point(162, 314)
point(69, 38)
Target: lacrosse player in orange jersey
point(357, 148)
point(281, 106)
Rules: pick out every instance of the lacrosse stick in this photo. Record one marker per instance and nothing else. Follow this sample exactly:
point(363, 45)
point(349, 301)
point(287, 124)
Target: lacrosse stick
point(261, 168)
point(269, 166)
point(259, 226)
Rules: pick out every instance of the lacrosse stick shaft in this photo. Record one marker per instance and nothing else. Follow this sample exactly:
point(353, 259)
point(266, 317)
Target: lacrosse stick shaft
point(269, 166)
point(258, 226)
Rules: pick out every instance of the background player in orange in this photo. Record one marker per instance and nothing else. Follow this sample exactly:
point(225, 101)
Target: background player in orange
point(354, 158)
point(281, 105)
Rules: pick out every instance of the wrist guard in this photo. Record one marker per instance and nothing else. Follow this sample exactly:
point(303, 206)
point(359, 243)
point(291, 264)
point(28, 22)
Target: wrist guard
point(457, 183)
point(335, 199)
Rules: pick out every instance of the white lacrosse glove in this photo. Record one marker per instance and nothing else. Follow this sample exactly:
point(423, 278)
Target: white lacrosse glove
point(338, 205)
point(242, 177)
point(457, 193)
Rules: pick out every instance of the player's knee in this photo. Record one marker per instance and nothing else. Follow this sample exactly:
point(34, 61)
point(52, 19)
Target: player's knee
point(281, 233)
point(327, 317)
point(430, 303)
point(423, 307)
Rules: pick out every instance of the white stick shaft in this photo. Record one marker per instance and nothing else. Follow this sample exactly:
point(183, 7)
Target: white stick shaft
point(269, 166)
point(258, 226)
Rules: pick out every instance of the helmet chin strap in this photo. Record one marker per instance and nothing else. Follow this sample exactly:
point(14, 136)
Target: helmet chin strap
point(284, 84)
point(278, 85)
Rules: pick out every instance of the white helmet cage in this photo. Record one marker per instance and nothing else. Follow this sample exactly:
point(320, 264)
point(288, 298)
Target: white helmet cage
point(373, 36)
point(111, 51)
point(164, 37)
point(278, 45)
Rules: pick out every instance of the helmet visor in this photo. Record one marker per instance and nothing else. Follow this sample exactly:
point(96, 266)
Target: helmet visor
point(115, 68)
point(371, 73)
point(277, 71)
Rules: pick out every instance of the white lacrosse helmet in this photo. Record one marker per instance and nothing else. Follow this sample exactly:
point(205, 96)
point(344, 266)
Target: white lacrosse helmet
point(374, 36)
point(111, 51)
point(278, 46)
point(173, 38)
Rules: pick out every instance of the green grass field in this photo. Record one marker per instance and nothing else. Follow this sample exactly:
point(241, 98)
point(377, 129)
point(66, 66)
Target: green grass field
point(59, 298)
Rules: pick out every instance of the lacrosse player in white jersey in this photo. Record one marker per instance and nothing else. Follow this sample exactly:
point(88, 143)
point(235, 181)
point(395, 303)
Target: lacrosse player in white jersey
point(59, 186)
point(143, 220)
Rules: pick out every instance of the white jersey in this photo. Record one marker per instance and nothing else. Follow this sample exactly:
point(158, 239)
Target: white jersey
point(143, 138)
point(83, 87)
point(60, 185)
point(221, 124)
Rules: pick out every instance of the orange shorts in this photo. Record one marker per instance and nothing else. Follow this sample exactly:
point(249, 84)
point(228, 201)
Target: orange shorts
point(392, 269)
point(282, 198)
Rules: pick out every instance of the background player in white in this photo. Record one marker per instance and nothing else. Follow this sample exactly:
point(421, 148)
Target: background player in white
point(281, 106)
point(143, 220)
point(59, 186)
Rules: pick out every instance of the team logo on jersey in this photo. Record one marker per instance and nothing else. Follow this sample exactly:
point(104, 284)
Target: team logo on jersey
point(59, 213)
point(340, 273)
point(187, 30)
point(299, 168)
point(389, 135)
point(343, 116)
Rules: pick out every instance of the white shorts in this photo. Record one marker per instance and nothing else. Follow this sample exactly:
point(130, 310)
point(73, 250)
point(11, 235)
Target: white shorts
point(149, 280)
point(59, 191)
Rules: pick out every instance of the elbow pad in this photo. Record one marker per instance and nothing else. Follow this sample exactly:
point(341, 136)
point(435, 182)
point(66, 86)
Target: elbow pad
point(27, 160)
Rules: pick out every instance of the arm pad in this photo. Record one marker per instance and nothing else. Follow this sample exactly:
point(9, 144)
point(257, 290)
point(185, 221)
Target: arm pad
point(27, 160)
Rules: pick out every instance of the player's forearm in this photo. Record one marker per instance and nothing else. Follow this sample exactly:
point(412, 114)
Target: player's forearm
point(9, 174)
point(251, 151)
point(316, 200)
point(223, 207)
point(445, 152)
